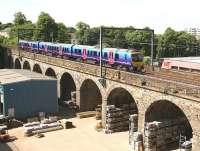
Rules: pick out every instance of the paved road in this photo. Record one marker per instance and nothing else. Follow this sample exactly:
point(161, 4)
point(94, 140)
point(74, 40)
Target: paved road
point(8, 147)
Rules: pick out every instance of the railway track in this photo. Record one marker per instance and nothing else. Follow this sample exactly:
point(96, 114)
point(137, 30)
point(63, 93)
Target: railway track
point(188, 78)
point(193, 79)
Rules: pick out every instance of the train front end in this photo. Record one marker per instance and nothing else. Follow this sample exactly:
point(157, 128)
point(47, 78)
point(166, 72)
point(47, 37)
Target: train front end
point(137, 61)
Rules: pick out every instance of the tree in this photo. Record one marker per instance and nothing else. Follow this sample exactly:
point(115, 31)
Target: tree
point(63, 35)
point(139, 40)
point(82, 32)
point(20, 18)
point(71, 29)
point(47, 27)
point(176, 44)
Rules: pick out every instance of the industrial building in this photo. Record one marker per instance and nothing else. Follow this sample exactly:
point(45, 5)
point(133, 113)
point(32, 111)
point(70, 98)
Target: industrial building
point(182, 63)
point(25, 94)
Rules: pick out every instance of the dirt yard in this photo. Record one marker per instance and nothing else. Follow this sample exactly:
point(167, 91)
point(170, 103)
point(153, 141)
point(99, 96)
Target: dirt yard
point(82, 138)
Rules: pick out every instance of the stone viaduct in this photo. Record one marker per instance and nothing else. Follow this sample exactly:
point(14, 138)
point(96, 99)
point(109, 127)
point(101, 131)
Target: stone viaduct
point(155, 98)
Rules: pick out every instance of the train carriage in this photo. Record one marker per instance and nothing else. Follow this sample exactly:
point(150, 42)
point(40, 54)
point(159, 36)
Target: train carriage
point(131, 60)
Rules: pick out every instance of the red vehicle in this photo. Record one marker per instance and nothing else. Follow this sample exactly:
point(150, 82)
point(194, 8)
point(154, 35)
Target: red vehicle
point(4, 136)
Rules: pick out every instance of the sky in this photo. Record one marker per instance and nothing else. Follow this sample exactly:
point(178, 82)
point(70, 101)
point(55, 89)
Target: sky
point(156, 14)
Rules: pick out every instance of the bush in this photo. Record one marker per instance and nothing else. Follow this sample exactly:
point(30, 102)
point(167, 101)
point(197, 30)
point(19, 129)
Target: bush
point(147, 60)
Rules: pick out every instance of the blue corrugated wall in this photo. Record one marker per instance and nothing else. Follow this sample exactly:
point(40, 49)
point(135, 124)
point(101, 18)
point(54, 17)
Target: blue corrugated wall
point(30, 97)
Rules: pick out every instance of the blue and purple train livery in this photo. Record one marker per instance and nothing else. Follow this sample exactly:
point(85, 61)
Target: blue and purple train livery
point(128, 58)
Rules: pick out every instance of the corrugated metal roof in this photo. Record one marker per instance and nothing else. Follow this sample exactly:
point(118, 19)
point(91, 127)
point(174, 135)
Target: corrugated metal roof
point(17, 75)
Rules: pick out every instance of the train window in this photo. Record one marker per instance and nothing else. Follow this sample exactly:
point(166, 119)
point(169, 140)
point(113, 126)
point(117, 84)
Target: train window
point(116, 56)
point(78, 51)
point(105, 55)
point(90, 53)
point(125, 57)
point(94, 53)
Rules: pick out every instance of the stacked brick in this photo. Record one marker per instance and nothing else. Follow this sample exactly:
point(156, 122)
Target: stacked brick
point(117, 119)
point(158, 135)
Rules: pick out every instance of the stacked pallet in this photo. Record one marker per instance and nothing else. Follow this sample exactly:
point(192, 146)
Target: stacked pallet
point(117, 119)
point(133, 119)
point(150, 136)
point(160, 134)
point(45, 125)
point(136, 141)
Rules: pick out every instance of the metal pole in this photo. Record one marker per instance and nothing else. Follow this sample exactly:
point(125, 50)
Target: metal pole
point(52, 37)
point(100, 57)
point(152, 44)
point(18, 41)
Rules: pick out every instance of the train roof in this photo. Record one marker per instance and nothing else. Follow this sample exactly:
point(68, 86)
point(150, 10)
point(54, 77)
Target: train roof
point(85, 46)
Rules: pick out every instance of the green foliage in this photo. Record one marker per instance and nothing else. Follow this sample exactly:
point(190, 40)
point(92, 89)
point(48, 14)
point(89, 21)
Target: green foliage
point(176, 44)
point(82, 32)
point(147, 60)
point(20, 18)
point(4, 26)
point(169, 44)
point(63, 35)
point(71, 30)
point(47, 28)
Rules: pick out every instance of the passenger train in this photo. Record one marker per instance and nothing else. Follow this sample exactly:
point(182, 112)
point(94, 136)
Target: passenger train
point(128, 59)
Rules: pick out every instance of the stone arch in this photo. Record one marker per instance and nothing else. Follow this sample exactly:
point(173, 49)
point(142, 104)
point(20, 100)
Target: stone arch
point(90, 95)
point(166, 111)
point(17, 64)
point(51, 73)
point(119, 96)
point(37, 68)
point(67, 85)
point(26, 65)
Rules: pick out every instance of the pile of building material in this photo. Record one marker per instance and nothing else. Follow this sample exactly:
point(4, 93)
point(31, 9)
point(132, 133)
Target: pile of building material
point(136, 141)
point(86, 114)
point(98, 112)
point(160, 134)
point(133, 126)
point(45, 125)
point(66, 124)
point(13, 123)
point(117, 119)
point(187, 145)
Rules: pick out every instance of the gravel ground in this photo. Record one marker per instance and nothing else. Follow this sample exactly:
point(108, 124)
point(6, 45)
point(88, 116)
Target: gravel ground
point(83, 137)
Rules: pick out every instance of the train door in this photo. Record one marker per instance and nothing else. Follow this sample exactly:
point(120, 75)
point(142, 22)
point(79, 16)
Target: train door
point(60, 51)
point(111, 57)
point(84, 55)
point(45, 48)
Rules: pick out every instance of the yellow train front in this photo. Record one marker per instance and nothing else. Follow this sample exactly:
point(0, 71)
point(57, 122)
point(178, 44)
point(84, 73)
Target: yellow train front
point(137, 61)
point(129, 59)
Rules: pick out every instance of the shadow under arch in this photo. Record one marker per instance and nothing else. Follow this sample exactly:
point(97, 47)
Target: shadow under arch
point(26, 65)
point(51, 73)
point(119, 96)
point(17, 64)
point(36, 68)
point(90, 95)
point(67, 85)
point(167, 112)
